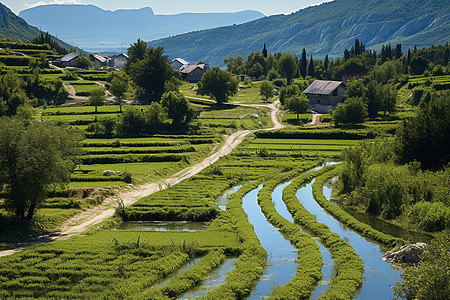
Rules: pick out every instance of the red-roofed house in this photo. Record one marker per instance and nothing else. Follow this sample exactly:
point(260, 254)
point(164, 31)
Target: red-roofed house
point(325, 95)
point(194, 73)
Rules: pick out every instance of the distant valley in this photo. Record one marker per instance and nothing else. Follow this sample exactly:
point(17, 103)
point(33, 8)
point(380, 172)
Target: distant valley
point(95, 29)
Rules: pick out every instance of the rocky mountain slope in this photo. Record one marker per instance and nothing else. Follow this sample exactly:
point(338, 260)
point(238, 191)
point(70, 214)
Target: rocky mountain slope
point(328, 28)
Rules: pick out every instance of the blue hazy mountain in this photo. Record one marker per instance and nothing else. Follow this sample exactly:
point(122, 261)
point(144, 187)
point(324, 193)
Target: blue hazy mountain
point(95, 29)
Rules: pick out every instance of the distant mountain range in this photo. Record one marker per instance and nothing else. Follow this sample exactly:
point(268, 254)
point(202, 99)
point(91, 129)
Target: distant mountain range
point(328, 28)
point(13, 28)
point(96, 30)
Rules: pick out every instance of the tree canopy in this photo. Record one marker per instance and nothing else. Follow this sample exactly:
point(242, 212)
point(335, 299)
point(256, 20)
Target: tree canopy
point(33, 157)
point(149, 71)
point(218, 84)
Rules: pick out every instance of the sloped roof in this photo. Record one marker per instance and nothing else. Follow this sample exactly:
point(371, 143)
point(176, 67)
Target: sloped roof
point(191, 68)
point(121, 54)
point(181, 61)
point(323, 87)
point(69, 57)
point(99, 57)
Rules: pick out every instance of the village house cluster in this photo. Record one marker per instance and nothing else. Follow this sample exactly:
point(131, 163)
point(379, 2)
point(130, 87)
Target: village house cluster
point(98, 61)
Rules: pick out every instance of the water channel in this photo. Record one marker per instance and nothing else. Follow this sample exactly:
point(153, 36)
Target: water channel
point(282, 264)
point(378, 275)
point(164, 226)
point(223, 200)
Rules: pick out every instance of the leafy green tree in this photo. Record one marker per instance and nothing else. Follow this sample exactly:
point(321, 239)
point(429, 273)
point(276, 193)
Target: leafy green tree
point(288, 92)
point(418, 65)
point(34, 157)
point(266, 90)
point(297, 104)
point(218, 84)
point(288, 67)
point(389, 99)
point(97, 97)
point(84, 62)
point(177, 107)
point(352, 111)
point(154, 117)
point(136, 52)
point(429, 279)
point(425, 137)
point(119, 86)
point(151, 73)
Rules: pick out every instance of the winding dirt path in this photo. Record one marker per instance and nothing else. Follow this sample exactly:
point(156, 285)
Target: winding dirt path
point(82, 221)
point(315, 119)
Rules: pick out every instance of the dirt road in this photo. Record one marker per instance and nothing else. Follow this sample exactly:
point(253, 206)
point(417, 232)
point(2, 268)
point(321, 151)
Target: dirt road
point(82, 221)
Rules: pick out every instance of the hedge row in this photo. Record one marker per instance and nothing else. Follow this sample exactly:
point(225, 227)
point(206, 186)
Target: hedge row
point(139, 151)
point(119, 159)
point(165, 213)
point(346, 218)
point(118, 143)
point(348, 265)
point(309, 269)
point(16, 60)
point(334, 134)
point(19, 45)
point(251, 264)
point(75, 178)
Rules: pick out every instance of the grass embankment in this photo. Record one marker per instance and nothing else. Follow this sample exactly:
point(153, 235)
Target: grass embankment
point(112, 264)
point(348, 265)
point(346, 218)
point(309, 259)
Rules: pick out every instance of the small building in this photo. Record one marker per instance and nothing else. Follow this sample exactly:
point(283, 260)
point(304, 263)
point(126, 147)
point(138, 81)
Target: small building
point(118, 61)
point(179, 64)
point(99, 61)
point(325, 95)
point(194, 73)
point(70, 60)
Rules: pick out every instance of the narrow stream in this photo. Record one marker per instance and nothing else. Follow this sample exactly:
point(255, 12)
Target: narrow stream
point(282, 265)
point(378, 275)
point(214, 279)
point(164, 226)
point(327, 269)
point(176, 273)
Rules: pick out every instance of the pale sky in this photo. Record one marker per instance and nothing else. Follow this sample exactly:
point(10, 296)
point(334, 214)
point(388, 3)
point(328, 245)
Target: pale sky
point(267, 7)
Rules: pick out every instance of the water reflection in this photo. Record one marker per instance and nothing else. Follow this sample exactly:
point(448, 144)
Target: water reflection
point(222, 201)
point(164, 226)
point(379, 275)
point(282, 265)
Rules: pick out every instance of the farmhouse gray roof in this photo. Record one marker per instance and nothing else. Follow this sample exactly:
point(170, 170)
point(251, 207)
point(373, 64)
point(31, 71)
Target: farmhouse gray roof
point(100, 58)
point(323, 87)
point(69, 57)
point(181, 61)
point(191, 68)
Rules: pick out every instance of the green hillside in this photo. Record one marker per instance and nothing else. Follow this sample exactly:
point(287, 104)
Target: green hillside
point(328, 28)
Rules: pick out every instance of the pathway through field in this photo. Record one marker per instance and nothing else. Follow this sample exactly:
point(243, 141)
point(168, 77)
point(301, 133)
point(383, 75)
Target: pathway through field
point(82, 221)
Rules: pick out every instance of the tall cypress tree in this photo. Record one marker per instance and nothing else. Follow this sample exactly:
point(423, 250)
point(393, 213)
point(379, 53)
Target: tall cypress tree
point(264, 51)
point(326, 61)
point(311, 67)
point(398, 51)
point(357, 47)
point(409, 56)
point(303, 63)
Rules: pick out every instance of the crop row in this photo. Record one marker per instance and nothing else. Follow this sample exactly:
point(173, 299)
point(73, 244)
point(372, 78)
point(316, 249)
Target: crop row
point(348, 265)
point(328, 134)
point(346, 218)
point(309, 259)
point(129, 158)
point(191, 200)
point(98, 151)
point(185, 281)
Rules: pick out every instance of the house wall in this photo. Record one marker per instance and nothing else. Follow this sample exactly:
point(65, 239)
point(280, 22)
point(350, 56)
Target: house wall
point(72, 63)
point(119, 62)
point(98, 64)
point(195, 75)
point(328, 100)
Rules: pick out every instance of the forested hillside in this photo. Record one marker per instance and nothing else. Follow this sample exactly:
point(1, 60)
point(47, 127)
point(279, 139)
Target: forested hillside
point(325, 29)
